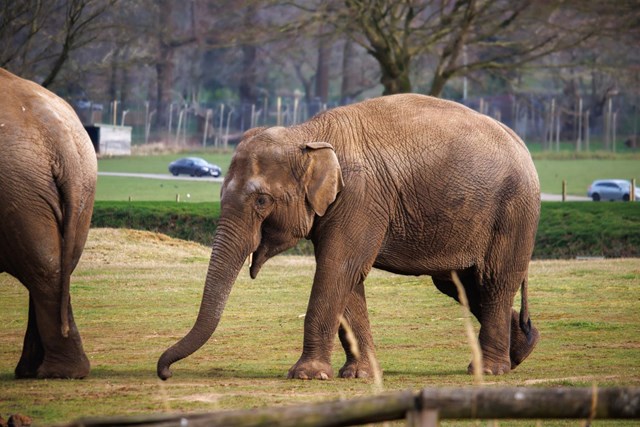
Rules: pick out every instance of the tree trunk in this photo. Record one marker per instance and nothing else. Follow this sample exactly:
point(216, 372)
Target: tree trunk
point(395, 83)
point(394, 66)
point(322, 71)
point(248, 78)
point(395, 73)
point(348, 81)
point(164, 63)
point(437, 85)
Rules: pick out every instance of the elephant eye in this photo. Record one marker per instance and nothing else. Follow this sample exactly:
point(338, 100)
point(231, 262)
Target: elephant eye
point(262, 200)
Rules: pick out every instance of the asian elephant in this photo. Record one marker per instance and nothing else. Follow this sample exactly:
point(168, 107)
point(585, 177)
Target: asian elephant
point(405, 183)
point(48, 173)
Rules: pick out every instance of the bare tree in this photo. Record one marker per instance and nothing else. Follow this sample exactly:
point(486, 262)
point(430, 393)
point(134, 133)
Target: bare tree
point(38, 37)
point(496, 35)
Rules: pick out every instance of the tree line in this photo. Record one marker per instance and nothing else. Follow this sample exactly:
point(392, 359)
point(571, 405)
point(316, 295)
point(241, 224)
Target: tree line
point(200, 52)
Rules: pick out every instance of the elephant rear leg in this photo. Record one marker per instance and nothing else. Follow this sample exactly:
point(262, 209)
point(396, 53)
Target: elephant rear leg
point(494, 315)
point(63, 357)
point(359, 364)
point(32, 349)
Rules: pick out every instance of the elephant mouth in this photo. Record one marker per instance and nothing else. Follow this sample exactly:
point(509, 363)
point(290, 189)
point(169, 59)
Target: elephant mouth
point(265, 251)
point(258, 259)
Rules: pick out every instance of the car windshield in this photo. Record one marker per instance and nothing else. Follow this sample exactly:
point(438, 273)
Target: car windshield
point(199, 162)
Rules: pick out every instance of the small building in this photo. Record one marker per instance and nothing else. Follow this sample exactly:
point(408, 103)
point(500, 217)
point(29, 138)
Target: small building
point(110, 140)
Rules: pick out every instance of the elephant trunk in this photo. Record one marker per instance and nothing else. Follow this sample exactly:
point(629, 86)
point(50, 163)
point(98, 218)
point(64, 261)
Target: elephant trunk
point(226, 261)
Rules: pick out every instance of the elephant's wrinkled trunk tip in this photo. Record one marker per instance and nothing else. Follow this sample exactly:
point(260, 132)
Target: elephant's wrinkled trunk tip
point(164, 373)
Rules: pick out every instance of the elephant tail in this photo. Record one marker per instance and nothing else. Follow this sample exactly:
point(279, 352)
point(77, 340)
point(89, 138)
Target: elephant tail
point(69, 227)
point(76, 200)
point(525, 320)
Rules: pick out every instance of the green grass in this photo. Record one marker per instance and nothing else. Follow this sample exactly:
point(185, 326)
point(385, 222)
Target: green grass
point(136, 293)
point(113, 188)
point(579, 170)
point(579, 174)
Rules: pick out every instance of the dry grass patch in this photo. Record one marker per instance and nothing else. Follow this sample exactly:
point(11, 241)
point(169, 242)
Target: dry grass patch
point(135, 293)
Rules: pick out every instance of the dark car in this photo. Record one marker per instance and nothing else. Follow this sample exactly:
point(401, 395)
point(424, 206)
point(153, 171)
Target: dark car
point(611, 189)
point(194, 166)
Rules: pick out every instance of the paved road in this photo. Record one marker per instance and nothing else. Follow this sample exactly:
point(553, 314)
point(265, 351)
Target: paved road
point(558, 198)
point(161, 176)
point(544, 196)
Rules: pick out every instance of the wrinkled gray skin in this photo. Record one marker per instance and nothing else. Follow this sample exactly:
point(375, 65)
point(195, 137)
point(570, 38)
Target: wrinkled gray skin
point(48, 174)
point(406, 183)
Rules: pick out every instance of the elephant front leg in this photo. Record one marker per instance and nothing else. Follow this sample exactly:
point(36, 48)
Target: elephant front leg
point(315, 361)
point(327, 302)
point(355, 337)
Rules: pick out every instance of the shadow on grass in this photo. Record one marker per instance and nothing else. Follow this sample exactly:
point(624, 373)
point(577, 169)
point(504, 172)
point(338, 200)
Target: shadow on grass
point(7, 376)
point(427, 373)
point(182, 374)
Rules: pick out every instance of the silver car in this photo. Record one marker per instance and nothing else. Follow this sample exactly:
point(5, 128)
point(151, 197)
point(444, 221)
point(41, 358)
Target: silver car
point(611, 189)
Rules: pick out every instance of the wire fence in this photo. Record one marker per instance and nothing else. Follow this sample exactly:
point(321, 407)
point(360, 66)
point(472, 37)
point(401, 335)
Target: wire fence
point(553, 122)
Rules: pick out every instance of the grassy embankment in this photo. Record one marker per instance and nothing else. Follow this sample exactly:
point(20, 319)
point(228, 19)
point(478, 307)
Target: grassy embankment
point(135, 293)
point(566, 230)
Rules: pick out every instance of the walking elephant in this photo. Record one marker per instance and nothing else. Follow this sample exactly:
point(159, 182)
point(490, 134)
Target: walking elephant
point(48, 174)
point(406, 183)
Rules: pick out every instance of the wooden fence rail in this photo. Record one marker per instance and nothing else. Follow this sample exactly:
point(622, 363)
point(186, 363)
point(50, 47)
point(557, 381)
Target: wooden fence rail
point(423, 409)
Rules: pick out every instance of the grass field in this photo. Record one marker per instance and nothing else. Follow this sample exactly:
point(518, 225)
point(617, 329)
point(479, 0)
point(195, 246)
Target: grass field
point(115, 188)
point(552, 170)
point(579, 174)
point(135, 293)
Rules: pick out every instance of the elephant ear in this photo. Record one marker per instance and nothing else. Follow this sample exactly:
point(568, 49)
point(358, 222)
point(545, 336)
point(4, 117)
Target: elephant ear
point(323, 176)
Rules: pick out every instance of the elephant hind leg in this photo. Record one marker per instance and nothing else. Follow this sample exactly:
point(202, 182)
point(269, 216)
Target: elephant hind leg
point(32, 349)
point(493, 314)
point(63, 357)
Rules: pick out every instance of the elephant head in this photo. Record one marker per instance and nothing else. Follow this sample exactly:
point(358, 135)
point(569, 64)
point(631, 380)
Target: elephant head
point(277, 183)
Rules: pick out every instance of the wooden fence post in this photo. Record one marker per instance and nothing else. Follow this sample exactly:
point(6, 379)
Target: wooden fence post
point(278, 111)
point(632, 190)
point(423, 418)
point(422, 409)
point(564, 190)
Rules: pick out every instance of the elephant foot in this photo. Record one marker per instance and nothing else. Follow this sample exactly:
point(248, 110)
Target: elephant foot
point(522, 344)
point(356, 369)
point(24, 370)
point(77, 369)
point(491, 368)
point(310, 370)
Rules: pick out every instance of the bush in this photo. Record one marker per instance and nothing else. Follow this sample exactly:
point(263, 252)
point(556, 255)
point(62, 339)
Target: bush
point(566, 230)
